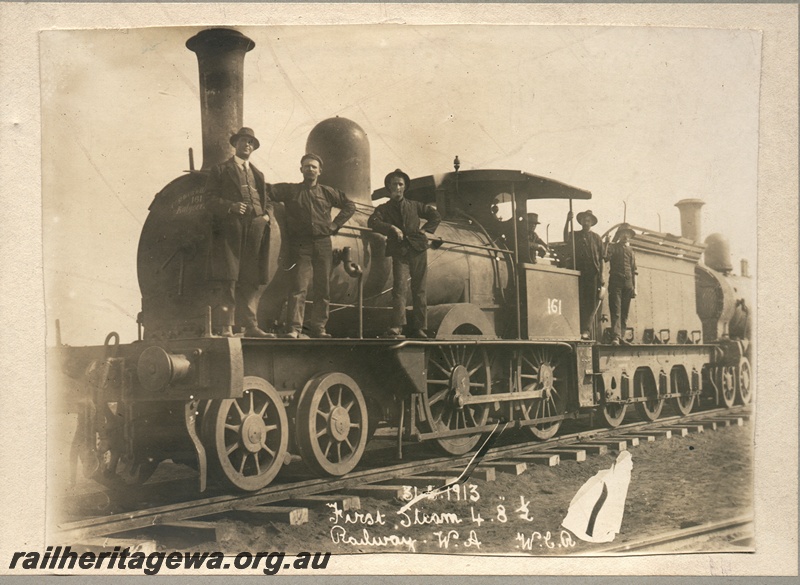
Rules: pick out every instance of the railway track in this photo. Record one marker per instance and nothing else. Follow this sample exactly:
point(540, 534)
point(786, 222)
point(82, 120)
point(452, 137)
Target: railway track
point(738, 531)
point(384, 481)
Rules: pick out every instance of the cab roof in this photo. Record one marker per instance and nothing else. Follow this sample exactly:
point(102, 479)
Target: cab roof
point(490, 180)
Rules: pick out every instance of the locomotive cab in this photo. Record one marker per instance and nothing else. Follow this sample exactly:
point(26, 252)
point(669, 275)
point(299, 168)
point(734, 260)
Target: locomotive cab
point(494, 203)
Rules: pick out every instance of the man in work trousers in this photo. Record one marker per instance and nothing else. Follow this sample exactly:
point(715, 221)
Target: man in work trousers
point(309, 229)
point(621, 281)
point(239, 246)
point(407, 245)
point(589, 260)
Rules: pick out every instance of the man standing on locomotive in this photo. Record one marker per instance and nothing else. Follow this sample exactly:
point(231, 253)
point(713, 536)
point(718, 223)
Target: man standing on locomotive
point(309, 226)
point(621, 281)
point(536, 245)
point(589, 261)
point(238, 251)
point(407, 245)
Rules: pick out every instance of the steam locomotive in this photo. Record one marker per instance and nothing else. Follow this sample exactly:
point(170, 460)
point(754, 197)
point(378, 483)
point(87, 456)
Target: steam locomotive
point(505, 326)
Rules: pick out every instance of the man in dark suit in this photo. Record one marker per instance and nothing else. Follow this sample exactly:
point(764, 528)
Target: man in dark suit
point(407, 245)
point(589, 260)
point(239, 246)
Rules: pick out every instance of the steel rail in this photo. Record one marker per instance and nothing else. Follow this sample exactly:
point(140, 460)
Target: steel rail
point(75, 531)
point(643, 544)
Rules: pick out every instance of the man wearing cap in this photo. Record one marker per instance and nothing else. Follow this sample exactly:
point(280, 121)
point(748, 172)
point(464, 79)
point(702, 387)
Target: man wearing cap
point(309, 229)
point(589, 260)
point(407, 244)
point(621, 281)
point(239, 245)
point(536, 245)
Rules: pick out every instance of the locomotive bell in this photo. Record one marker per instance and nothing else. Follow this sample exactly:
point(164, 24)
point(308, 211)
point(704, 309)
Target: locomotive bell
point(344, 147)
point(157, 368)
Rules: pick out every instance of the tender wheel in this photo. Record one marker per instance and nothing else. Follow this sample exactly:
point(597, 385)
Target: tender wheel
point(644, 384)
point(613, 414)
point(679, 384)
point(745, 381)
point(728, 385)
point(544, 373)
point(332, 424)
point(454, 373)
point(247, 438)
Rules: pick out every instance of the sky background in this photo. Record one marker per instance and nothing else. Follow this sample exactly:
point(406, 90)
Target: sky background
point(641, 115)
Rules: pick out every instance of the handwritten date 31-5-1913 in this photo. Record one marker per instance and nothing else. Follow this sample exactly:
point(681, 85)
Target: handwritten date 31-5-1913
point(457, 527)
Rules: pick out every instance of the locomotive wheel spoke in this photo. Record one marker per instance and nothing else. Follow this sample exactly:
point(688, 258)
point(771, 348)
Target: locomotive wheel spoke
point(437, 397)
point(444, 370)
point(234, 429)
point(537, 370)
point(333, 445)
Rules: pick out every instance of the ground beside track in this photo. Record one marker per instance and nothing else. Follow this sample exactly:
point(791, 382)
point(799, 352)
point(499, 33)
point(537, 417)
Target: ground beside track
point(676, 483)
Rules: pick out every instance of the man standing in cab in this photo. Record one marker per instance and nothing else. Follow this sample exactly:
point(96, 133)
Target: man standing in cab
point(407, 245)
point(621, 281)
point(589, 261)
point(309, 230)
point(239, 245)
point(536, 245)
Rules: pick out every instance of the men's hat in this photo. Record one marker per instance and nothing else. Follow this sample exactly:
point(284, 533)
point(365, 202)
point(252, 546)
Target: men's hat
point(625, 228)
point(397, 173)
point(533, 219)
point(313, 156)
point(587, 213)
point(246, 132)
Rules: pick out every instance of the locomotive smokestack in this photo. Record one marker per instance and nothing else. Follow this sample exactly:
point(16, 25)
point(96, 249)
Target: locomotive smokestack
point(220, 59)
point(690, 218)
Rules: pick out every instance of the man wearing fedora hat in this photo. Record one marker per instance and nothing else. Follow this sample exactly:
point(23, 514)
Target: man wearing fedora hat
point(536, 245)
point(589, 261)
point(407, 245)
point(621, 281)
point(239, 244)
point(309, 230)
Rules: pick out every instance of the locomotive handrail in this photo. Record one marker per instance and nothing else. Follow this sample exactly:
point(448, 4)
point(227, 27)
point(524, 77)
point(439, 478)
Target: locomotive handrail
point(437, 240)
point(413, 342)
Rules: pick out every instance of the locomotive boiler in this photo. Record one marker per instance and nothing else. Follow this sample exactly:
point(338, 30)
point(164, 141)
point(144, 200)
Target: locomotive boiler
point(505, 325)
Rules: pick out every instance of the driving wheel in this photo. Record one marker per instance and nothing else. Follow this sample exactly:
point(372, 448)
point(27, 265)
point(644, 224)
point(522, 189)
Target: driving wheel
point(454, 373)
point(541, 371)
